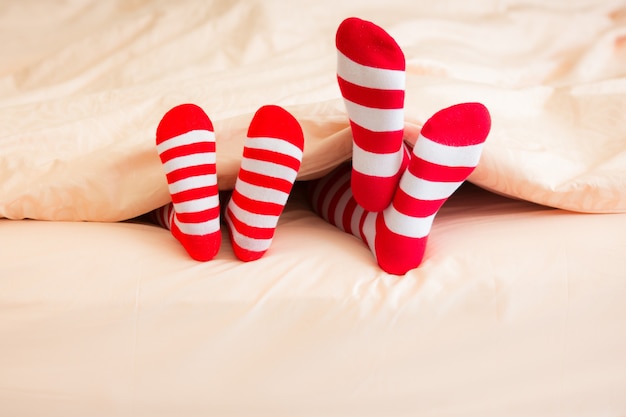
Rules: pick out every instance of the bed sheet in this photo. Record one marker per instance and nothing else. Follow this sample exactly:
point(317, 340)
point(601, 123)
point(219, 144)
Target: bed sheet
point(517, 310)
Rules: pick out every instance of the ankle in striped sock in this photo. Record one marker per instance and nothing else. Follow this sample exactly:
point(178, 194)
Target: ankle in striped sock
point(371, 77)
point(186, 145)
point(271, 160)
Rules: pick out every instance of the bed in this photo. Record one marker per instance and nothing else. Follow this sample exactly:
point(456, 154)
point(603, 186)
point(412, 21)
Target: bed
point(517, 309)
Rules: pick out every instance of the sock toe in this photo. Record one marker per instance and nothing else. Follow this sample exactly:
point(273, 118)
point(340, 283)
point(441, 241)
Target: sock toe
point(459, 125)
point(182, 119)
point(368, 44)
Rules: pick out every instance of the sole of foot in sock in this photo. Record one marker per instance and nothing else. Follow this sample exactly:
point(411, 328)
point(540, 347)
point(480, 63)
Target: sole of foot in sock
point(371, 77)
point(271, 160)
point(185, 142)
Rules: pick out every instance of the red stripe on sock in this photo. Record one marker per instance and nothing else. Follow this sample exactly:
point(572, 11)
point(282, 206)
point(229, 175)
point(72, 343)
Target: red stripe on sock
point(265, 181)
point(332, 206)
point(438, 173)
point(413, 207)
point(333, 177)
point(250, 231)
point(371, 97)
point(259, 207)
point(377, 142)
point(184, 150)
point(199, 216)
point(347, 215)
point(194, 194)
point(271, 156)
point(361, 223)
point(183, 173)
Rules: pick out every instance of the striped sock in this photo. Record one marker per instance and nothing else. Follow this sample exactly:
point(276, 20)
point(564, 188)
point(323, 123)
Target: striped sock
point(371, 77)
point(163, 216)
point(186, 145)
point(445, 154)
point(271, 159)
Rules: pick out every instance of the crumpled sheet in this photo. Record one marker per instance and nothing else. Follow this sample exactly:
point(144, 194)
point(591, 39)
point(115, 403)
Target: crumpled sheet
point(83, 86)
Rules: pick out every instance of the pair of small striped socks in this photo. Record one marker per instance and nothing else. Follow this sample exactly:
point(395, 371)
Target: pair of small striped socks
point(389, 196)
point(271, 159)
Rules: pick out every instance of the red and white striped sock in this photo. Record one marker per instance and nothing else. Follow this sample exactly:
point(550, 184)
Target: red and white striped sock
point(186, 145)
point(163, 216)
point(446, 152)
point(371, 77)
point(271, 160)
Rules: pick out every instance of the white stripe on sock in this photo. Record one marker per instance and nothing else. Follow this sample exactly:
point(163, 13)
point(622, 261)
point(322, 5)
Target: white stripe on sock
point(191, 137)
point(371, 77)
point(196, 159)
point(401, 224)
point(452, 156)
point(376, 164)
point(198, 229)
point(197, 205)
point(190, 183)
point(331, 193)
point(369, 230)
point(256, 193)
point(376, 120)
point(252, 219)
point(270, 169)
point(275, 145)
point(422, 189)
point(356, 220)
point(341, 208)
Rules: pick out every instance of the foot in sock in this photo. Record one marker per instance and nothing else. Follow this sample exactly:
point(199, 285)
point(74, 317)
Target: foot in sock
point(186, 146)
point(445, 154)
point(271, 160)
point(371, 77)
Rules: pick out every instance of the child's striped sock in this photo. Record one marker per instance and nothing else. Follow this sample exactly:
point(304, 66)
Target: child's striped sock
point(371, 77)
point(446, 152)
point(271, 160)
point(186, 145)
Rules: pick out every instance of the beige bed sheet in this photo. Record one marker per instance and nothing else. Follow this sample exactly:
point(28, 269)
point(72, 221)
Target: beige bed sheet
point(518, 310)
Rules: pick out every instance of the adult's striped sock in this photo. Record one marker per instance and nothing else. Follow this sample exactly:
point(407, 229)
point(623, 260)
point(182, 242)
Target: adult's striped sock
point(186, 145)
point(271, 160)
point(446, 152)
point(163, 216)
point(371, 77)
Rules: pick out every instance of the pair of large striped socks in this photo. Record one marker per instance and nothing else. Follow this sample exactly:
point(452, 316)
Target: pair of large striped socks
point(389, 196)
point(271, 159)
